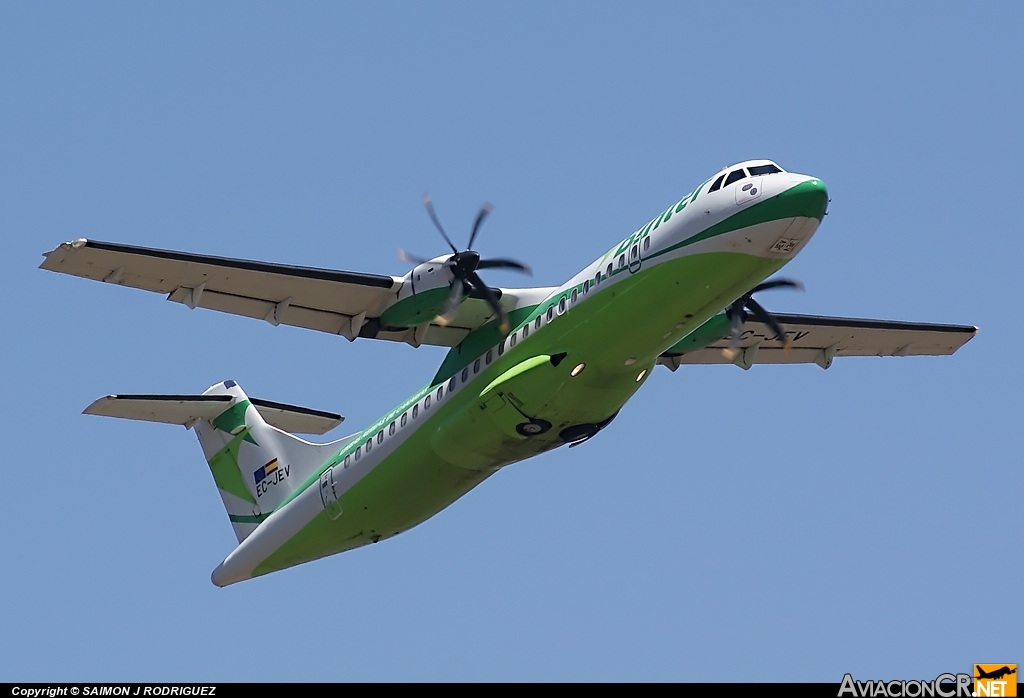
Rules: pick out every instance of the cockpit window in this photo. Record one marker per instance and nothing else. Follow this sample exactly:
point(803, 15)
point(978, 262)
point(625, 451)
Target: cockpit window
point(763, 170)
point(735, 176)
point(717, 185)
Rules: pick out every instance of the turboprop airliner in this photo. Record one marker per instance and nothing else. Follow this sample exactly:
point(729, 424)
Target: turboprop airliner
point(528, 369)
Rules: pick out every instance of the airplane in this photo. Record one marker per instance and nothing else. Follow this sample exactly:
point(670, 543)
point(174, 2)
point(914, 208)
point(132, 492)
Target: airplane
point(995, 674)
point(528, 369)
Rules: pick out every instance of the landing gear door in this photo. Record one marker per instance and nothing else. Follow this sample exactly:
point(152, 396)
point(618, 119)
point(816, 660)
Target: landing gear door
point(748, 190)
point(329, 495)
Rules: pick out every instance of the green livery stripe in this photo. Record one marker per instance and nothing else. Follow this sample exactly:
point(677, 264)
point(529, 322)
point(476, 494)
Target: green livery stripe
point(807, 199)
point(417, 309)
point(253, 519)
point(477, 342)
point(224, 466)
point(233, 418)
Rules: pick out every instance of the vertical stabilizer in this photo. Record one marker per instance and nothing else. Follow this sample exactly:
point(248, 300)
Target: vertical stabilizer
point(256, 466)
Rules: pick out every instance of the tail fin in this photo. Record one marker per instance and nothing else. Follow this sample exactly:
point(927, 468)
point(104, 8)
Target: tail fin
point(255, 464)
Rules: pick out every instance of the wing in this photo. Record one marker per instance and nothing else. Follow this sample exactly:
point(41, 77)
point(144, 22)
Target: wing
point(336, 302)
point(818, 339)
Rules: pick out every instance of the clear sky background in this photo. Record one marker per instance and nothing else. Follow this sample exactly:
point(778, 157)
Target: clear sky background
point(785, 523)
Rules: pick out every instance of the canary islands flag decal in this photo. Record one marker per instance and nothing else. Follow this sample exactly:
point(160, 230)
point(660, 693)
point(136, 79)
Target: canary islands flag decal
point(265, 472)
point(995, 680)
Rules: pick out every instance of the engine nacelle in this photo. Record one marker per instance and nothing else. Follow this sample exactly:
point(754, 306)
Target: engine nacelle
point(427, 277)
point(423, 295)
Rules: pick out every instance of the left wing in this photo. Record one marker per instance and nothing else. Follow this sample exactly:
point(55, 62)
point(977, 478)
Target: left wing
point(819, 339)
point(336, 302)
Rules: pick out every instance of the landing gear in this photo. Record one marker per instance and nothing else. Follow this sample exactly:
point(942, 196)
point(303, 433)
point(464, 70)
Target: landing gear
point(534, 427)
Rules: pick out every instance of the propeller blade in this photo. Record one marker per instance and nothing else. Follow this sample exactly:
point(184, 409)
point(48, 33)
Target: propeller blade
point(484, 210)
point(735, 313)
point(777, 283)
point(767, 318)
point(491, 299)
point(409, 258)
point(454, 299)
point(433, 216)
point(504, 264)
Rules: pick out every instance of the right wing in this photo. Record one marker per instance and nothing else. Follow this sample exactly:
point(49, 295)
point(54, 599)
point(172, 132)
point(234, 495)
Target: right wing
point(819, 339)
point(336, 302)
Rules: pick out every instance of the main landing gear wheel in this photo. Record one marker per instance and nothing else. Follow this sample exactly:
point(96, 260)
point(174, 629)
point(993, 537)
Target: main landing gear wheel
point(535, 427)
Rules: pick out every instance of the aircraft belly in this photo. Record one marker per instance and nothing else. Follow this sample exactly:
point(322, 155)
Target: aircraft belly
point(409, 486)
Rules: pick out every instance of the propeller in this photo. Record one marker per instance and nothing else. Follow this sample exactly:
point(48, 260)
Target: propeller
point(737, 314)
point(464, 266)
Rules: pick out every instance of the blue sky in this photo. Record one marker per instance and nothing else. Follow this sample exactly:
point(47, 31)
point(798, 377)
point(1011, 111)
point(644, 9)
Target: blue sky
point(784, 523)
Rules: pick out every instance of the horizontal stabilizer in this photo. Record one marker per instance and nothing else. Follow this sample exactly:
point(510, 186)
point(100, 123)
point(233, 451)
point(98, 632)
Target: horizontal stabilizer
point(188, 409)
point(294, 419)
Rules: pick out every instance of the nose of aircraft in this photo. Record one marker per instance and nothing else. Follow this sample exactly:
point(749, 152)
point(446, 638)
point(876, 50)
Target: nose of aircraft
point(808, 198)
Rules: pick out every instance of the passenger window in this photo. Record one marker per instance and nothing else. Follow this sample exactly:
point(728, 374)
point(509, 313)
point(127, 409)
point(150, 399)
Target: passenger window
point(359, 452)
point(348, 459)
point(633, 253)
point(551, 313)
point(501, 348)
point(405, 418)
point(465, 374)
point(380, 436)
point(415, 411)
point(426, 403)
point(561, 305)
point(451, 384)
point(717, 185)
point(586, 286)
point(391, 429)
point(647, 244)
point(608, 272)
point(526, 330)
point(574, 296)
point(536, 326)
point(597, 277)
point(512, 340)
point(476, 366)
point(622, 260)
point(369, 445)
point(735, 176)
point(440, 392)
point(488, 357)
